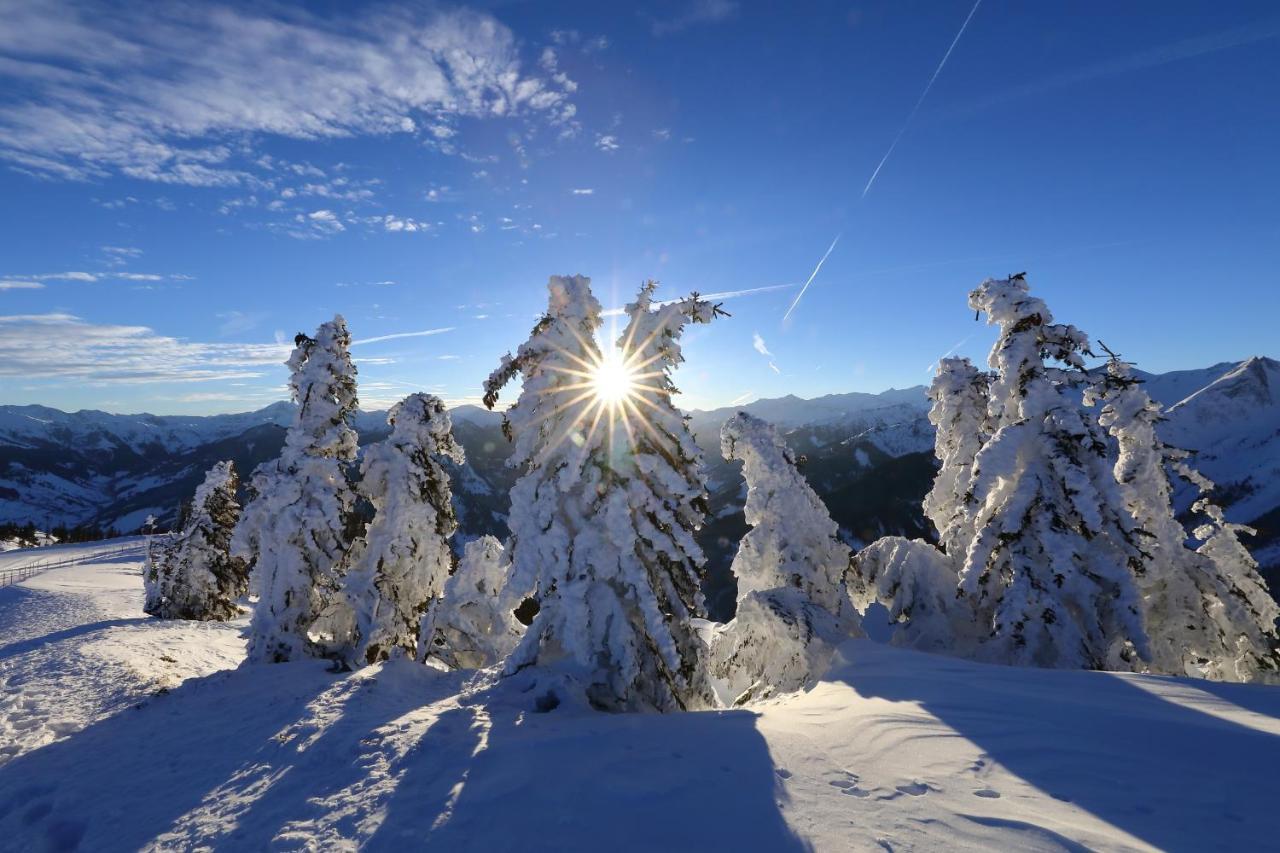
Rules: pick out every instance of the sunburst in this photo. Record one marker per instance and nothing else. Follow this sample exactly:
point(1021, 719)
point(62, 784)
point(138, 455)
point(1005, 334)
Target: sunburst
point(612, 389)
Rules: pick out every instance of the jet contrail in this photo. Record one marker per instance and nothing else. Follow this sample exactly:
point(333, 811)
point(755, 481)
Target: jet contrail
point(812, 276)
point(421, 334)
point(920, 100)
point(709, 297)
point(948, 353)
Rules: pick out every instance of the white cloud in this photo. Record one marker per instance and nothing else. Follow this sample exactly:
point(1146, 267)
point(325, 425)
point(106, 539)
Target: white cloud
point(20, 285)
point(158, 92)
point(607, 142)
point(583, 191)
point(758, 343)
point(90, 277)
point(774, 367)
point(63, 346)
point(662, 134)
point(696, 12)
point(118, 256)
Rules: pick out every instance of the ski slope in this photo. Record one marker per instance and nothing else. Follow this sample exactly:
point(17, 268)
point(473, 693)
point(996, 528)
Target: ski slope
point(122, 733)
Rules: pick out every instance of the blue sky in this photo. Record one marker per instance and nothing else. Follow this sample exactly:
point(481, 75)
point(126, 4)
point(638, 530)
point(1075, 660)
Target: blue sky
point(184, 187)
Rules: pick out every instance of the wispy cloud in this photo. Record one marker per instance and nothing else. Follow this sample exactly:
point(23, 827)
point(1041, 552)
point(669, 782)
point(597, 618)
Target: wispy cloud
point(91, 277)
point(607, 143)
point(759, 344)
point(63, 346)
point(812, 276)
point(742, 398)
point(774, 367)
point(21, 285)
point(424, 333)
point(583, 191)
point(156, 92)
point(695, 12)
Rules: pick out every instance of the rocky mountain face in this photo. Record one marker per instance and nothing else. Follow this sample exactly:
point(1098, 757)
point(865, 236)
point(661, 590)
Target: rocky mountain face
point(869, 456)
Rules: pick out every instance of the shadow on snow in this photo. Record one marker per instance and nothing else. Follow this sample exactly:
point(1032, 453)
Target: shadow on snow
point(1160, 770)
point(391, 758)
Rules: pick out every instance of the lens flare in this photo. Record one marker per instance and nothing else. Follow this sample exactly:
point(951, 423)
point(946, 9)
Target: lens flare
point(612, 380)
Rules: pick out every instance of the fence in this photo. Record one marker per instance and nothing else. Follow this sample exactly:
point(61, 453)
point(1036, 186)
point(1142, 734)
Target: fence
point(17, 574)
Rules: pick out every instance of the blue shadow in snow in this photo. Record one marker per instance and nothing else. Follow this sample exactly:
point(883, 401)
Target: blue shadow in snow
point(1170, 775)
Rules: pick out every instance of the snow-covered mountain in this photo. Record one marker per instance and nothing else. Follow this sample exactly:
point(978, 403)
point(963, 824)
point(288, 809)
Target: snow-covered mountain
point(869, 457)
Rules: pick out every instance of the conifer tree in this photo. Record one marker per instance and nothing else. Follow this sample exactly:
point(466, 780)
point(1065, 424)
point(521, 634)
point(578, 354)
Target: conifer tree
point(296, 526)
point(1208, 612)
point(1051, 567)
point(602, 520)
point(400, 563)
point(472, 626)
point(916, 583)
point(959, 414)
point(196, 575)
point(793, 606)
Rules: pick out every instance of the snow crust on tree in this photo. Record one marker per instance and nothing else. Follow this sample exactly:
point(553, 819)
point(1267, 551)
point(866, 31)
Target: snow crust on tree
point(296, 526)
point(916, 583)
point(602, 520)
point(793, 606)
point(1051, 567)
point(1208, 611)
point(400, 563)
point(473, 626)
point(960, 396)
point(194, 576)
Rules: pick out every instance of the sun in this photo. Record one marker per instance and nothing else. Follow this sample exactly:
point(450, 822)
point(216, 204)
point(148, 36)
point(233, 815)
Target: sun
point(613, 381)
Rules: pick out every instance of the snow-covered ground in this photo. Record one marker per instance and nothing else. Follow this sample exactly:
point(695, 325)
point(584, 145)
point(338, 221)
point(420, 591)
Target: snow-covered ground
point(119, 732)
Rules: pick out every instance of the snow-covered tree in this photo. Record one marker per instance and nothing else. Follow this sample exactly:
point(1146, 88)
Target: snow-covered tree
point(602, 520)
point(1208, 612)
point(916, 583)
point(472, 626)
point(296, 526)
point(196, 577)
point(400, 563)
point(959, 414)
point(793, 606)
point(1051, 567)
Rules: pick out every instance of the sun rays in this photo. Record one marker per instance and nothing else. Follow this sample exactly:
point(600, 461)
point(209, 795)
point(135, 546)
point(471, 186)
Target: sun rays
point(616, 389)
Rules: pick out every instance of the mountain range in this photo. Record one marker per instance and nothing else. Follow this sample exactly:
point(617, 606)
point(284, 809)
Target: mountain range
point(869, 456)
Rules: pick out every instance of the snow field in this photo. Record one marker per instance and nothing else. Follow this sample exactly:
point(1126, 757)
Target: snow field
point(891, 750)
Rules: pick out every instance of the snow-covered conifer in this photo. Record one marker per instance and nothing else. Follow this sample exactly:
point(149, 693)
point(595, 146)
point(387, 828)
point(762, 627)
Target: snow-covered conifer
point(296, 526)
point(196, 577)
point(916, 583)
point(472, 626)
point(1208, 612)
point(793, 607)
point(959, 416)
point(602, 520)
point(1051, 568)
point(400, 563)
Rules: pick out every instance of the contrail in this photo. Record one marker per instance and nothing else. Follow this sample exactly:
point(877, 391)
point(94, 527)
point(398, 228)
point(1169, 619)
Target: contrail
point(920, 100)
point(812, 276)
point(946, 354)
point(726, 294)
point(421, 334)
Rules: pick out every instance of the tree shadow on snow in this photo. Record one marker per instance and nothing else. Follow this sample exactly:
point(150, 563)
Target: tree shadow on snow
point(228, 760)
point(24, 646)
point(1169, 774)
point(572, 779)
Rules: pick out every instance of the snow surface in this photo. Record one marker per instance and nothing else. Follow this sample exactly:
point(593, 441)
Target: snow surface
point(122, 750)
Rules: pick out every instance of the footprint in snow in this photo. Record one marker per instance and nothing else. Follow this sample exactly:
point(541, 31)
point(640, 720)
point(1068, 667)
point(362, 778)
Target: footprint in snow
point(783, 773)
point(987, 793)
point(915, 789)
